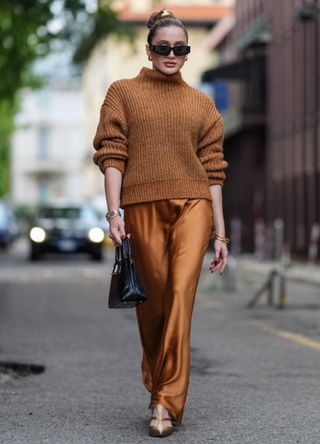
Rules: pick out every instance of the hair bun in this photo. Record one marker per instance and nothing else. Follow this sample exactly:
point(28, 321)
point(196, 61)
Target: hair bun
point(156, 16)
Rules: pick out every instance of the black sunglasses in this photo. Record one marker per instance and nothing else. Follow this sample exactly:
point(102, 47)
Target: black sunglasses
point(179, 50)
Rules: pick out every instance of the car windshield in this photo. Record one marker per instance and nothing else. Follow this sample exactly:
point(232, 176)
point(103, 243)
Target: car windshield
point(67, 213)
point(59, 212)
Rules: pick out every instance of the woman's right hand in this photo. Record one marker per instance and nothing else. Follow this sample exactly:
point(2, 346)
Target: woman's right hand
point(116, 230)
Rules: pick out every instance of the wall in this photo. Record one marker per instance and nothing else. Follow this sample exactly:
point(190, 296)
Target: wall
point(292, 128)
point(48, 145)
point(293, 154)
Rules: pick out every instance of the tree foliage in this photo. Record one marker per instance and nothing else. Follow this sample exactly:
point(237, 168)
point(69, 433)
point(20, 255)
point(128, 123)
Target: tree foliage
point(6, 127)
point(29, 29)
point(23, 37)
point(104, 23)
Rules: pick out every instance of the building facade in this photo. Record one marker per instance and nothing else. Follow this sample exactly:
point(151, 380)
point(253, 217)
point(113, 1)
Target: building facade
point(293, 150)
point(48, 146)
point(270, 62)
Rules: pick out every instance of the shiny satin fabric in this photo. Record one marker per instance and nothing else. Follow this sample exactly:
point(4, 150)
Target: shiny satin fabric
point(169, 239)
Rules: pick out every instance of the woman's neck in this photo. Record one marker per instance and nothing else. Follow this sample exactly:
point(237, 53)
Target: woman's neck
point(154, 75)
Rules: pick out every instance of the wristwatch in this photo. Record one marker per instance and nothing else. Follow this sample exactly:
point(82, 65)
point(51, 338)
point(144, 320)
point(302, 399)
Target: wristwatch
point(111, 214)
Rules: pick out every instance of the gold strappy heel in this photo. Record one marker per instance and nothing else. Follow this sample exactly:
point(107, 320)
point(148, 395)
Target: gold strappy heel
point(161, 423)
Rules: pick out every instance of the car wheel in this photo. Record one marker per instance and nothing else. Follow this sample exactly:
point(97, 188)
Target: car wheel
point(34, 254)
point(97, 255)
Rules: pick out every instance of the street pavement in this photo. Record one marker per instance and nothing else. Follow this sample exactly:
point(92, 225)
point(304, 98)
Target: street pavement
point(255, 372)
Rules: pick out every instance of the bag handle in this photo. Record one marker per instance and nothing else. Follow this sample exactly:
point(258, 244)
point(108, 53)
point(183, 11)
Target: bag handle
point(125, 248)
point(117, 261)
point(117, 255)
point(123, 251)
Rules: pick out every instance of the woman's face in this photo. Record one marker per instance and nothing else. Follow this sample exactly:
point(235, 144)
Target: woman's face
point(172, 36)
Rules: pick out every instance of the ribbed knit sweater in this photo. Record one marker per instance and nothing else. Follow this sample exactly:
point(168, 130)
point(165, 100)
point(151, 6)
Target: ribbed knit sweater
point(163, 135)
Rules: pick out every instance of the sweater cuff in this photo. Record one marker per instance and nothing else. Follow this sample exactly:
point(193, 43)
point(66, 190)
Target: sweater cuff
point(115, 163)
point(216, 182)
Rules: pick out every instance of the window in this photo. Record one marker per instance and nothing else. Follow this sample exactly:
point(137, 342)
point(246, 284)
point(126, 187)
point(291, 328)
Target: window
point(43, 190)
point(43, 143)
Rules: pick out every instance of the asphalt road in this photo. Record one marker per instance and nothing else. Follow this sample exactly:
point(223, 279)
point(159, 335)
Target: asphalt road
point(255, 373)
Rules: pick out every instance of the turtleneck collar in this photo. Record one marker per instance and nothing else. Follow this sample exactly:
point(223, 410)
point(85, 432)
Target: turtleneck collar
point(157, 76)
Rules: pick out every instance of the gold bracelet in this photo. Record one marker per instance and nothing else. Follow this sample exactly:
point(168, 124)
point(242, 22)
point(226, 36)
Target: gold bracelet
point(221, 238)
point(111, 214)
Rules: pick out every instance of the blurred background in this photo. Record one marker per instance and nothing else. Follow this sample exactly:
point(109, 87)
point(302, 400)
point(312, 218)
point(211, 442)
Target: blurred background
point(257, 59)
point(254, 368)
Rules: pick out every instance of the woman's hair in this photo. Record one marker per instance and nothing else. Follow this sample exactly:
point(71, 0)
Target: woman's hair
point(163, 19)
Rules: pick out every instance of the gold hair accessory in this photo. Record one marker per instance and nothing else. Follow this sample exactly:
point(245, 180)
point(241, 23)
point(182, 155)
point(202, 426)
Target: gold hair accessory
point(165, 13)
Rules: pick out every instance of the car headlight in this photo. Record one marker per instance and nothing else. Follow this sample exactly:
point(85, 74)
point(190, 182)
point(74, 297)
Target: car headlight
point(96, 235)
point(37, 234)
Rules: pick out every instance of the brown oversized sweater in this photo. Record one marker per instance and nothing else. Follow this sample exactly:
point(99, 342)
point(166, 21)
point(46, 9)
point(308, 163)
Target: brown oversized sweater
point(163, 135)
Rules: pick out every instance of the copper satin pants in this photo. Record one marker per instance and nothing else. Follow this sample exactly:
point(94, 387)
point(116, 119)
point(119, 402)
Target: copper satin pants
point(169, 239)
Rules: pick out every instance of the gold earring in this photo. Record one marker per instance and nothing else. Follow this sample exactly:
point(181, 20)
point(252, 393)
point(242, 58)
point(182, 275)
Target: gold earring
point(150, 58)
point(186, 59)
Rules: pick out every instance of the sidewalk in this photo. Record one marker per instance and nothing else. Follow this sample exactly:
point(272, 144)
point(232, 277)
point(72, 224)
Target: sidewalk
point(301, 272)
point(248, 263)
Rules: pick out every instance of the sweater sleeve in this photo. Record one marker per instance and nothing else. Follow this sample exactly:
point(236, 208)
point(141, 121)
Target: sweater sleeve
point(210, 144)
point(110, 141)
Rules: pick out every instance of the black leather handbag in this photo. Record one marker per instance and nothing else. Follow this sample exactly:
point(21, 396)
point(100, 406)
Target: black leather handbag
point(126, 290)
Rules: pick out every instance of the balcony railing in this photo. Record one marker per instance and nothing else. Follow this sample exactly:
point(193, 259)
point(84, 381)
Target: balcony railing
point(45, 166)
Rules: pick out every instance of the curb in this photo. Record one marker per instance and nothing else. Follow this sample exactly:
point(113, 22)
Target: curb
point(294, 272)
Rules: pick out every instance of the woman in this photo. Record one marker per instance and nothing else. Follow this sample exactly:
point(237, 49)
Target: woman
point(159, 145)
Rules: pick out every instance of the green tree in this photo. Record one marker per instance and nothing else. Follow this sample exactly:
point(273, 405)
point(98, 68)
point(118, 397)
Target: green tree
point(30, 29)
point(6, 127)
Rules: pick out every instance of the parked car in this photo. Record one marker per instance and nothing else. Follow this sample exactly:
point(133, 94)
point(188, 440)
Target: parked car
point(66, 229)
point(9, 228)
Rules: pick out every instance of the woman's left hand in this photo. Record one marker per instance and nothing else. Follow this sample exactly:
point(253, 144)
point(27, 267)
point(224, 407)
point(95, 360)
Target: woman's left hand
point(220, 256)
